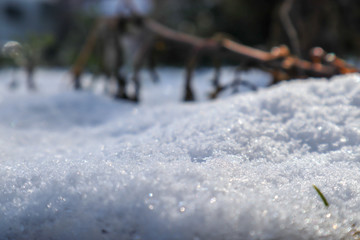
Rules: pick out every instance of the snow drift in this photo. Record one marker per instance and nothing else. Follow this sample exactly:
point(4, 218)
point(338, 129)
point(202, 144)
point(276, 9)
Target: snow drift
point(82, 166)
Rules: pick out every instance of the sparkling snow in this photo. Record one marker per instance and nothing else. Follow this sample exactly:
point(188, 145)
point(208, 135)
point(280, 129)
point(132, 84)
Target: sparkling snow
point(79, 165)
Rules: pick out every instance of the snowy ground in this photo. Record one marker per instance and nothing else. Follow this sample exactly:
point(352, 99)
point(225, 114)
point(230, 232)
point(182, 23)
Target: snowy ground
point(83, 166)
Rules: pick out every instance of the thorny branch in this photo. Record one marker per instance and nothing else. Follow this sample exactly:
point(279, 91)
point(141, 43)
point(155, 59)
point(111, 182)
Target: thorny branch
point(279, 61)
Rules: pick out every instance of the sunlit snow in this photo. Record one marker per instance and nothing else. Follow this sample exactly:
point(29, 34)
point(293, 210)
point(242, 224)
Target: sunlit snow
point(79, 165)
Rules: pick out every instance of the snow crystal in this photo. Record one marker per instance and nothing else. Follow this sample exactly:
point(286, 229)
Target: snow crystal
point(78, 165)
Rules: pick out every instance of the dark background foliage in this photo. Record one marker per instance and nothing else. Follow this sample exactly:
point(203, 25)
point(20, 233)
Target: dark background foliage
point(331, 24)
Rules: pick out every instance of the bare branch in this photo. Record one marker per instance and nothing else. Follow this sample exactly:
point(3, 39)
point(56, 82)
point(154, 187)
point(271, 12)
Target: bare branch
point(279, 62)
point(289, 27)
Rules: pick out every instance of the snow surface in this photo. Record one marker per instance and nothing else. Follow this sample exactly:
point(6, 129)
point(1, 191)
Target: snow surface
point(79, 165)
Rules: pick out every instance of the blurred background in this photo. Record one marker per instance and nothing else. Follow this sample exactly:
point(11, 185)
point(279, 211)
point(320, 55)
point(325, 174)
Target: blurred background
point(53, 31)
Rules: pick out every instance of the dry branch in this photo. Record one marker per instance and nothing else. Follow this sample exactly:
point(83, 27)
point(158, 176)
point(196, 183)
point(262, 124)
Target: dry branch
point(278, 58)
point(279, 62)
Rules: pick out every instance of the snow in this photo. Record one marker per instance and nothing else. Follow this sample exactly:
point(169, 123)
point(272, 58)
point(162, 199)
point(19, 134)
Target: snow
point(79, 165)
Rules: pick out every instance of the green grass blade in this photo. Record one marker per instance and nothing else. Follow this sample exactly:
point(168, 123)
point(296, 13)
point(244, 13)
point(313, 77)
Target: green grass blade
point(321, 195)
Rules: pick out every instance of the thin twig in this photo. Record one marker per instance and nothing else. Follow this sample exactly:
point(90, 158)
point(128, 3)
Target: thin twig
point(289, 27)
